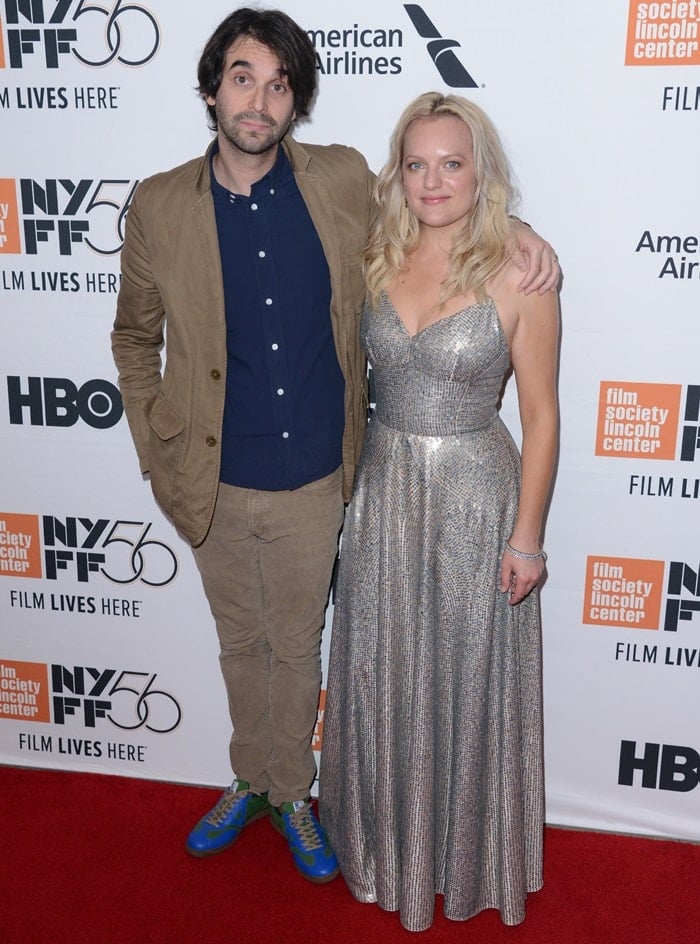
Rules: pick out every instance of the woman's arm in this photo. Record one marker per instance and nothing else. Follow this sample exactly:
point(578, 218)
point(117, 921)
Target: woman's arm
point(534, 351)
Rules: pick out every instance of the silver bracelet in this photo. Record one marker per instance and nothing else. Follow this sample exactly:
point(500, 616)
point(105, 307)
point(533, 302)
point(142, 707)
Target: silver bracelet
point(523, 555)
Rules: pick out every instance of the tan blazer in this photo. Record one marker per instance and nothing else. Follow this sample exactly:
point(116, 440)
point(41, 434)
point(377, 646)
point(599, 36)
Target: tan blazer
point(172, 295)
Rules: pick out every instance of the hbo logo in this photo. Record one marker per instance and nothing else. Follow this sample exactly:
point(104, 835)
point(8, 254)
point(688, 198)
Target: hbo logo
point(662, 766)
point(55, 401)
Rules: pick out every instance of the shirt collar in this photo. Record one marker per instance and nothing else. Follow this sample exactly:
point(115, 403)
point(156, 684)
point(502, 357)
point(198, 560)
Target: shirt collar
point(279, 176)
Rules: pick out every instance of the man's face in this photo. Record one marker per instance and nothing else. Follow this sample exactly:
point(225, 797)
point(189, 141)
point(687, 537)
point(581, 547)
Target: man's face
point(254, 104)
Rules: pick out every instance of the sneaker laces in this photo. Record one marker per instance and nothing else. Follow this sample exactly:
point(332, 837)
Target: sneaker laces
point(305, 825)
point(223, 807)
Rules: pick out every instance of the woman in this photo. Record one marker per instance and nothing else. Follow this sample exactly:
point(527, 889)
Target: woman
point(432, 772)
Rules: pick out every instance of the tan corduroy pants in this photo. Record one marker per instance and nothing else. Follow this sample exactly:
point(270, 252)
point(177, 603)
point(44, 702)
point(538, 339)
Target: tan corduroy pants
point(266, 567)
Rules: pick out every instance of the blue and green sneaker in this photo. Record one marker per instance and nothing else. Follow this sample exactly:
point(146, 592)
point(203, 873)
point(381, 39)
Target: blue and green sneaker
point(222, 825)
point(308, 842)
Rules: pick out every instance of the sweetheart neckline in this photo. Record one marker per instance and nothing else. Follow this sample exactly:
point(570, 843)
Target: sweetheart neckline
point(488, 300)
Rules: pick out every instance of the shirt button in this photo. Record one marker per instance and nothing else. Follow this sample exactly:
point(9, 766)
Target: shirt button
point(285, 435)
point(272, 190)
point(262, 253)
point(268, 301)
point(275, 347)
point(215, 374)
point(211, 440)
point(253, 206)
point(280, 391)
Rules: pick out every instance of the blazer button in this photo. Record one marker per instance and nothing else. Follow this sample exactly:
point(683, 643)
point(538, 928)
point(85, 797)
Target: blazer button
point(211, 440)
point(216, 374)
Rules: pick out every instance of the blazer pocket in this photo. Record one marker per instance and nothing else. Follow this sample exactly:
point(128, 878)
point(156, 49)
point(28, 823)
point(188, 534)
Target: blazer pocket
point(165, 450)
point(163, 419)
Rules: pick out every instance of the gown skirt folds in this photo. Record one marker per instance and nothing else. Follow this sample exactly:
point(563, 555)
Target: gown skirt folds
point(432, 768)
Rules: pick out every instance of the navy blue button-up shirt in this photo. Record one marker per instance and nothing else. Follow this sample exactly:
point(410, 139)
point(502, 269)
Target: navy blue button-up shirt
point(284, 416)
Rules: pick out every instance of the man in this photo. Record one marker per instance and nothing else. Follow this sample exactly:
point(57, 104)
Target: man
point(252, 257)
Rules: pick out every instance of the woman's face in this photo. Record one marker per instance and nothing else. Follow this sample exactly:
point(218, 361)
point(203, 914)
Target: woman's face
point(438, 170)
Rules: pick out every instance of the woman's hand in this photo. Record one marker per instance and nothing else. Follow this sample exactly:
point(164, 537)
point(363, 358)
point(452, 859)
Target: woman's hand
point(518, 576)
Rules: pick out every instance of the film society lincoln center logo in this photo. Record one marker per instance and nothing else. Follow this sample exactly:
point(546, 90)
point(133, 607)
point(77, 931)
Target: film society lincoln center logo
point(642, 421)
point(633, 593)
point(623, 591)
point(663, 33)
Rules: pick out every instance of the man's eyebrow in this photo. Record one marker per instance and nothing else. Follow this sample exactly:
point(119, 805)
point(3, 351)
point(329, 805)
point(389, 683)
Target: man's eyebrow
point(247, 65)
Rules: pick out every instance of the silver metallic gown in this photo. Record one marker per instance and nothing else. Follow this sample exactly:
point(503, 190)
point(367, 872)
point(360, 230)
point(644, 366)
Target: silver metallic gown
point(431, 769)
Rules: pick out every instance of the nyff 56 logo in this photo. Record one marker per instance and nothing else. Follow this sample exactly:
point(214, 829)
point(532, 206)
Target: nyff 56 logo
point(63, 213)
point(49, 32)
point(32, 691)
point(120, 551)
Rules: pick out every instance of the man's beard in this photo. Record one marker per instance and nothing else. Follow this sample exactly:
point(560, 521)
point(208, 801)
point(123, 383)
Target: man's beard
point(253, 143)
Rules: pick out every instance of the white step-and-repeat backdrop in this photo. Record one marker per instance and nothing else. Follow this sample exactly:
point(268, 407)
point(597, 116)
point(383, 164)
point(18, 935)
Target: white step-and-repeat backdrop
point(108, 659)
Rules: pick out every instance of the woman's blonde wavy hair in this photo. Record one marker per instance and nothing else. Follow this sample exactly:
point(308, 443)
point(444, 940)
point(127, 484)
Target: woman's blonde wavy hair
point(479, 249)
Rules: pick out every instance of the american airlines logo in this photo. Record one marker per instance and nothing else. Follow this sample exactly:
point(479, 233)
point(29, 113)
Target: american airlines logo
point(441, 50)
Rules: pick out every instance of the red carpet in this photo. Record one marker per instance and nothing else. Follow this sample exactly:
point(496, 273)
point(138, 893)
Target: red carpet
point(91, 859)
